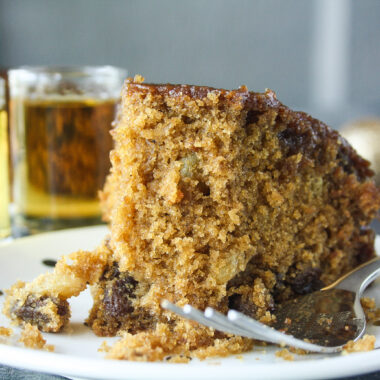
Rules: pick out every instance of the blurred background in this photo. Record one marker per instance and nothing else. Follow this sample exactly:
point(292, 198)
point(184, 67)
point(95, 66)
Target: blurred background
point(320, 56)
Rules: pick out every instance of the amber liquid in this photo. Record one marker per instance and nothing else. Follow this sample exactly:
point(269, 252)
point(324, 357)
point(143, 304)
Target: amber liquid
point(62, 162)
point(5, 228)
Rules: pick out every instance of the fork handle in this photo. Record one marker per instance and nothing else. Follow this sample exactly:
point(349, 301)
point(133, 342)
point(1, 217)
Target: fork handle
point(358, 279)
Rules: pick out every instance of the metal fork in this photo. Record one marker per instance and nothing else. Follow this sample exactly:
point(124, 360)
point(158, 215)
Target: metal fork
point(352, 284)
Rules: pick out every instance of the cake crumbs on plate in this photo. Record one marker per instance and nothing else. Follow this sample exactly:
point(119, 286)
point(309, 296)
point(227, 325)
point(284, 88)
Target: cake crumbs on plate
point(178, 359)
point(104, 347)
point(298, 351)
point(285, 354)
point(371, 311)
point(5, 331)
point(367, 343)
point(31, 337)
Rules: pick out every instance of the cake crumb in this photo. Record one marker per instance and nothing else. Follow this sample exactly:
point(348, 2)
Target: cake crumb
point(138, 78)
point(104, 347)
point(178, 359)
point(368, 303)
point(285, 354)
point(298, 351)
point(371, 311)
point(5, 331)
point(367, 343)
point(49, 347)
point(31, 337)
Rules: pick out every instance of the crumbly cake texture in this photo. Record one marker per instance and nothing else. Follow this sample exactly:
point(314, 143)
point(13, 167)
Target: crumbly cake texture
point(215, 198)
point(5, 331)
point(372, 312)
point(31, 337)
point(285, 354)
point(43, 302)
point(367, 343)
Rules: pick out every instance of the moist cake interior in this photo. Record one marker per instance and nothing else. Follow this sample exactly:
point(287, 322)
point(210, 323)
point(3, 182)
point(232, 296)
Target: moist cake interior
point(215, 198)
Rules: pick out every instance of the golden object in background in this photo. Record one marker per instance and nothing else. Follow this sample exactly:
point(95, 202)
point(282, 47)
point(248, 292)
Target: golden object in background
point(5, 227)
point(67, 145)
point(60, 125)
point(364, 136)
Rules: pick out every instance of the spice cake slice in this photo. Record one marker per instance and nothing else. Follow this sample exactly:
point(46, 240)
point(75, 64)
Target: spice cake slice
point(215, 198)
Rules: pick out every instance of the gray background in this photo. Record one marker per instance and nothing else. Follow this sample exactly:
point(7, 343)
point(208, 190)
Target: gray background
point(319, 55)
point(283, 45)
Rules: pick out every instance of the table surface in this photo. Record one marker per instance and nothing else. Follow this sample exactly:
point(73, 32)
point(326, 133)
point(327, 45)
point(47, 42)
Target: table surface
point(16, 374)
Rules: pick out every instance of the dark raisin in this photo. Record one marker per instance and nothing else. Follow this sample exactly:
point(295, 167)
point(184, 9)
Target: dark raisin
point(252, 117)
point(242, 304)
point(205, 250)
point(110, 272)
point(306, 281)
point(31, 312)
point(366, 252)
point(203, 188)
point(49, 262)
point(187, 119)
point(344, 161)
point(279, 287)
point(292, 141)
point(117, 296)
point(62, 309)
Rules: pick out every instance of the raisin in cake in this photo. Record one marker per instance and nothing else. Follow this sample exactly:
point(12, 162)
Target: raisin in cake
point(215, 198)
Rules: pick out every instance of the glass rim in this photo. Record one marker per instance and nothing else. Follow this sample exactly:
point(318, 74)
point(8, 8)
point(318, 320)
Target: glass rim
point(69, 70)
point(2, 93)
point(40, 81)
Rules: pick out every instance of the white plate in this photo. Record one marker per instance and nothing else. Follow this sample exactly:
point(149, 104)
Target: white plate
point(76, 353)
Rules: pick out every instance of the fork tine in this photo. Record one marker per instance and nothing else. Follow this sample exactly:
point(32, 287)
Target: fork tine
point(192, 313)
point(174, 308)
point(220, 318)
point(251, 324)
point(198, 316)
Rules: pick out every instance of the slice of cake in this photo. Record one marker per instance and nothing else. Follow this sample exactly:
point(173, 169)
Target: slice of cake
point(215, 198)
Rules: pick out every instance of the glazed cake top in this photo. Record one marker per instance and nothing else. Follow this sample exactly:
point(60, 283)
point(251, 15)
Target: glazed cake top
point(308, 134)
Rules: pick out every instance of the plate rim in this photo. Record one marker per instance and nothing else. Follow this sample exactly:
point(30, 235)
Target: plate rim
point(70, 365)
point(117, 369)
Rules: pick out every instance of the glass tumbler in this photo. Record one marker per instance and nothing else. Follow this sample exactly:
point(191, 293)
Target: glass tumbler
point(60, 121)
point(5, 228)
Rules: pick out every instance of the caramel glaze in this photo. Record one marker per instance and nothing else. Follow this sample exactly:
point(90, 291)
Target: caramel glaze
point(303, 134)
